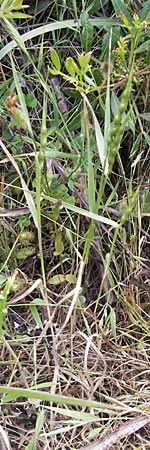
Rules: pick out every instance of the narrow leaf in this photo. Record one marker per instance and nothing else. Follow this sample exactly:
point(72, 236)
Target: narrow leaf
point(120, 7)
point(55, 59)
point(99, 137)
point(58, 25)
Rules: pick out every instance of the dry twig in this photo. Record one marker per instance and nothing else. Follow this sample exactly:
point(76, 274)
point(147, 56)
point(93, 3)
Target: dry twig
point(130, 427)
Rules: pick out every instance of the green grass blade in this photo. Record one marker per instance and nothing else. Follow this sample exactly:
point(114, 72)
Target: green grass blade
point(107, 105)
point(120, 7)
point(58, 25)
point(13, 393)
point(98, 134)
point(90, 214)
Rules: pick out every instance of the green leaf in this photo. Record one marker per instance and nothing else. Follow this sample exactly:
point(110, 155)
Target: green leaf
point(116, 32)
point(60, 278)
point(137, 159)
point(78, 415)
point(36, 316)
point(145, 203)
point(72, 279)
point(113, 321)
point(59, 246)
point(71, 67)
point(25, 252)
point(53, 71)
point(144, 12)
point(37, 302)
point(39, 423)
point(31, 101)
point(90, 214)
point(57, 279)
point(115, 103)
point(55, 59)
point(99, 137)
point(84, 60)
point(84, 18)
point(131, 121)
point(120, 7)
point(87, 32)
point(135, 148)
point(46, 384)
point(2, 279)
point(14, 15)
point(70, 184)
point(12, 393)
point(97, 75)
point(32, 444)
point(145, 116)
point(143, 47)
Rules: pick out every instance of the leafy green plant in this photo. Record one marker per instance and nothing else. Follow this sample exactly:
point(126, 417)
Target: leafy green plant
point(81, 177)
point(76, 72)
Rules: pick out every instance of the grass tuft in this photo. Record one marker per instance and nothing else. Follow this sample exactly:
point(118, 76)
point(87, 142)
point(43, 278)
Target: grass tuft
point(74, 225)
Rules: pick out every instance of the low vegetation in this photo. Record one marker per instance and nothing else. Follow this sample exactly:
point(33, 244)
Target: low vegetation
point(74, 224)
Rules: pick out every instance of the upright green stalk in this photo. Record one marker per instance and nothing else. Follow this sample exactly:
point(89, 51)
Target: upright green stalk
point(39, 167)
point(91, 184)
point(117, 130)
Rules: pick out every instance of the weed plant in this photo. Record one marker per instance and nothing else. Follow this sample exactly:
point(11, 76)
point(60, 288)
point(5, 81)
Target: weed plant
point(74, 224)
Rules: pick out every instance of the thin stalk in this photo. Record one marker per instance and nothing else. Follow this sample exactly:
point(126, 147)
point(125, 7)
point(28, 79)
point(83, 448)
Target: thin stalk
point(39, 167)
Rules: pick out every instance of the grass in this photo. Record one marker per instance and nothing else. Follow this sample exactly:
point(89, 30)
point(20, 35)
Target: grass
point(74, 230)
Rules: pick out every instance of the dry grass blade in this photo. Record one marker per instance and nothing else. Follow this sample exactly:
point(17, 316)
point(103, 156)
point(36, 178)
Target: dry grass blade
point(130, 427)
point(139, 284)
point(4, 443)
point(14, 212)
